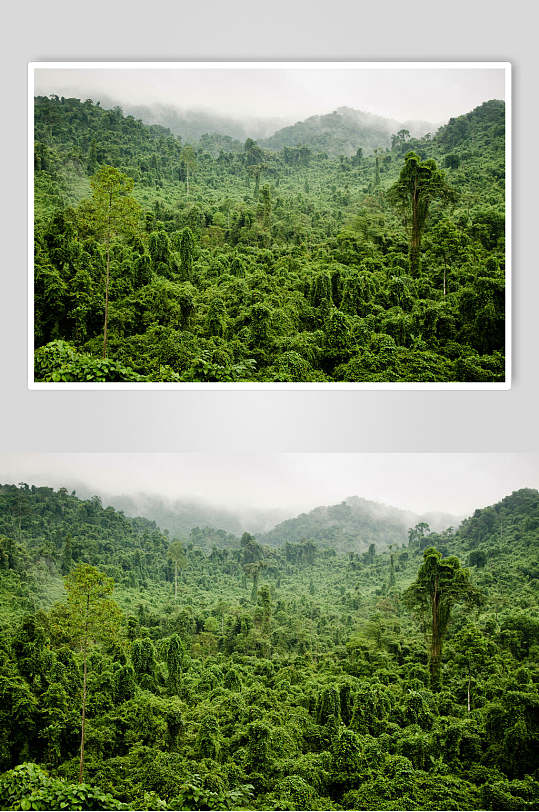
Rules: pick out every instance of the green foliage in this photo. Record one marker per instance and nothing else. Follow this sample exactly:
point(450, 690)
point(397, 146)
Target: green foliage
point(314, 695)
point(28, 786)
point(440, 584)
point(272, 262)
point(59, 362)
point(418, 185)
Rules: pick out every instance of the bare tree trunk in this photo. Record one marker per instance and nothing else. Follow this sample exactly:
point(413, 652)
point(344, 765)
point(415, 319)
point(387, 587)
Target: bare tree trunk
point(435, 665)
point(415, 242)
point(107, 279)
point(469, 704)
point(175, 580)
point(445, 271)
point(82, 735)
point(436, 645)
point(187, 182)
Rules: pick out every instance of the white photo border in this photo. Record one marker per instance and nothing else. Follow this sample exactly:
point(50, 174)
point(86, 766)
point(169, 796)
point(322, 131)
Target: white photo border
point(243, 65)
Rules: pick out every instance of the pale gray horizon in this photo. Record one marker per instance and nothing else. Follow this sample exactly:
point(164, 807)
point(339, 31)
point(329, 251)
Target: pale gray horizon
point(421, 483)
point(430, 94)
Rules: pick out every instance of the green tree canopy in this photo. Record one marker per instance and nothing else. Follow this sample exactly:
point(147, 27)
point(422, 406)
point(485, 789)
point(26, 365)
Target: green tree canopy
point(419, 183)
point(441, 583)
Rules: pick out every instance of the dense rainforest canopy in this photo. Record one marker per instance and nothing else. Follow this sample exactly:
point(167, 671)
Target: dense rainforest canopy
point(229, 261)
point(250, 676)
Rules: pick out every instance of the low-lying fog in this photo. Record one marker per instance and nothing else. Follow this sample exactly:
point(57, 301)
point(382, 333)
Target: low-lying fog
point(257, 102)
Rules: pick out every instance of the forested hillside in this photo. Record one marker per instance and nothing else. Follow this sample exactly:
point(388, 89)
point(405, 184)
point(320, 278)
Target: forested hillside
point(192, 125)
point(258, 677)
point(180, 515)
point(222, 261)
point(349, 526)
point(343, 132)
point(353, 525)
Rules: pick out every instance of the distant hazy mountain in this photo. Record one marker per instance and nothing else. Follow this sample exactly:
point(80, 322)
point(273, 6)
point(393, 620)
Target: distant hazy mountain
point(343, 131)
point(180, 516)
point(100, 534)
point(354, 524)
point(351, 525)
point(191, 125)
point(340, 132)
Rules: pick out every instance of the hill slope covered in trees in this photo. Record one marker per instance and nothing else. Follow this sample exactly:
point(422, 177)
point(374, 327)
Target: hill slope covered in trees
point(353, 525)
point(265, 678)
point(343, 132)
point(179, 515)
point(193, 125)
point(256, 265)
point(349, 526)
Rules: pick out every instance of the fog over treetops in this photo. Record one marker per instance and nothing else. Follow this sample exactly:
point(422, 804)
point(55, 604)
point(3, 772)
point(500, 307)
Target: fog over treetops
point(338, 131)
point(344, 523)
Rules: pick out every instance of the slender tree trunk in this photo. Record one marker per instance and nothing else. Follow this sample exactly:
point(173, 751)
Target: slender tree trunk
point(107, 279)
point(469, 703)
point(445, 275)
point(81, 766)
point(435, 667)
point(187, 182)
point(436, 644)
point(415, 243)
point(83, 718)
point(175, 581)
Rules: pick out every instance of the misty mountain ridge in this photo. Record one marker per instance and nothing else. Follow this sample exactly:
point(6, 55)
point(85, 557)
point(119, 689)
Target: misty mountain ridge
point(339, 132)
point(351, 525)
point(354, 524)
point(193, 123)
point(56, 524)
point(344, 130)
point(180, 515)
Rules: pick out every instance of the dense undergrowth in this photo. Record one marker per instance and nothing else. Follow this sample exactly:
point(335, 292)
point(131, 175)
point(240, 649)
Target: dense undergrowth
point(246, 264)
point(283, 677)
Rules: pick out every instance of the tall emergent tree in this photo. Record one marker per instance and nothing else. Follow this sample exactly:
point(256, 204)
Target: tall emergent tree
point(253, 571)
point(419, 183)
point(88, 618)
point(176, 554)
point(113, 212)
point(189, 159)
point(254, 161)
point(440, 584)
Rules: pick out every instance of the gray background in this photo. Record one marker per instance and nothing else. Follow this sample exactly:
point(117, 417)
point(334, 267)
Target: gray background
point(261, 420)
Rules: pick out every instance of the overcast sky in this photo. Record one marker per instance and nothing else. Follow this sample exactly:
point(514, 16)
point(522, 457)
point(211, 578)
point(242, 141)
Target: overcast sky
point(432, 95)
point(453, 483)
